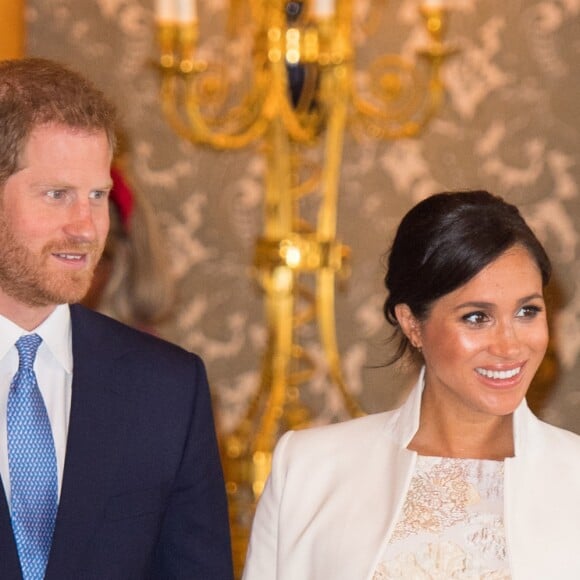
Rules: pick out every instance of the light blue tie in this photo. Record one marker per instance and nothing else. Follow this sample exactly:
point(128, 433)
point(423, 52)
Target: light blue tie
point(32, 463)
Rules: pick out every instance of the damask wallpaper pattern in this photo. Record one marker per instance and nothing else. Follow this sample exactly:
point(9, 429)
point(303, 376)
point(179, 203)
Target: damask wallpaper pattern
point(511, 124)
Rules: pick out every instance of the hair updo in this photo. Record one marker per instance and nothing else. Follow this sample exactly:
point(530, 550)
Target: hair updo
point(446, 240)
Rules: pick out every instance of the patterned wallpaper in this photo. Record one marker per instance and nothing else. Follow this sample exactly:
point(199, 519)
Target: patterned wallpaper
point(511, 124)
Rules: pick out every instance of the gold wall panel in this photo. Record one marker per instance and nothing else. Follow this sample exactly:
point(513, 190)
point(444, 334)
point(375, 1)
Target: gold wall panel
point(11, 28)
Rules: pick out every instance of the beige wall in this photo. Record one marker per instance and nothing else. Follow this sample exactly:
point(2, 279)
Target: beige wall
point(511, 124)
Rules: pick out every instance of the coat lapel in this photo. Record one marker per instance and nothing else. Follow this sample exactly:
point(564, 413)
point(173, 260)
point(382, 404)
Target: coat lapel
point(378, 500)
point(352, 508)
point(373, 508)
point(98, 417)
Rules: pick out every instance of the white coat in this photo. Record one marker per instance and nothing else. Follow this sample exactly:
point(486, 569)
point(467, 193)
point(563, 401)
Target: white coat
point(335, 494)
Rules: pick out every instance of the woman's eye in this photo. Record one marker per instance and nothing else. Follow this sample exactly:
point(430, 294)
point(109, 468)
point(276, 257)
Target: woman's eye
point(529, 311)
point(475, 318)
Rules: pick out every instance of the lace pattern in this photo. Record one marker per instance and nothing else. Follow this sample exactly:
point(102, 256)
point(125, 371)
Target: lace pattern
point(451, 526)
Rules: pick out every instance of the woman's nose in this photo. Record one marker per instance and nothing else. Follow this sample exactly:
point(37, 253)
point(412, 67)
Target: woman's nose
point(506, 341)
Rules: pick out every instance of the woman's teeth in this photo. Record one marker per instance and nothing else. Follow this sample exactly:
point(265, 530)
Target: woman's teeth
point(499, 374)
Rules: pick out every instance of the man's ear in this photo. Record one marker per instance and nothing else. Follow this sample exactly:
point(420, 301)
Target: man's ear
point(409, 325)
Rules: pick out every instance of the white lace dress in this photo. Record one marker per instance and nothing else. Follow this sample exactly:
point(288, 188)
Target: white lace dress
point(451, 526)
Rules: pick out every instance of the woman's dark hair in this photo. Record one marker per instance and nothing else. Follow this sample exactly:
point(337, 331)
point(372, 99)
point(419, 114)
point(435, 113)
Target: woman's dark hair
point(443, 242)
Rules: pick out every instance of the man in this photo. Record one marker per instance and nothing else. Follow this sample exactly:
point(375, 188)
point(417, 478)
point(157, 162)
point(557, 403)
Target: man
point(113, 471)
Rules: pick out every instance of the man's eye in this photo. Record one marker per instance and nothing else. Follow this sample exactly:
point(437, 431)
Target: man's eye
point(56, 193)
point(98, 194)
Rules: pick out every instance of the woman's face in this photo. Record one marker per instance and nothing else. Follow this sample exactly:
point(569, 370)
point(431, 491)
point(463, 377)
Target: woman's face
point(483, 342)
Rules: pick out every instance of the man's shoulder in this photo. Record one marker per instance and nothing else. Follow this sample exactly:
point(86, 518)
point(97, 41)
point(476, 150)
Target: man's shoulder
point(90, 327)
point(105, 350)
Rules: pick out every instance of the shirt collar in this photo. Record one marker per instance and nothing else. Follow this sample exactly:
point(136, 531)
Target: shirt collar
point(55, 332)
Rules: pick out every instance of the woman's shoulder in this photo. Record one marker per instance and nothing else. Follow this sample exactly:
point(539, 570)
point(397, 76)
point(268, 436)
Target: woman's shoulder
point(559, 436)
point(352, 435)
point(548, 443)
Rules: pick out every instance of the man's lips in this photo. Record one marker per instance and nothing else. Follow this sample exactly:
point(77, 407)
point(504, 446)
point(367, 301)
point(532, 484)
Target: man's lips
point(79, 256)
point(69, 256)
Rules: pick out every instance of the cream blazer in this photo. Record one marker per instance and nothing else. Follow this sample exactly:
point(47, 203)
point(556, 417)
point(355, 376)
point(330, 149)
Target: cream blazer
point(335, 493)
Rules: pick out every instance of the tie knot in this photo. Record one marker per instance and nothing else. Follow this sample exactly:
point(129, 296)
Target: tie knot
point(27, 346)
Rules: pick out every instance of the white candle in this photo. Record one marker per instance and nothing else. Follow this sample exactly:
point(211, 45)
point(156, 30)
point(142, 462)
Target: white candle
point(186, 11)
point(165, 10)
point(323, 8)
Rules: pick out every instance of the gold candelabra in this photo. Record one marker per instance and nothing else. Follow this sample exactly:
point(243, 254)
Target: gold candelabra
point(302, 95)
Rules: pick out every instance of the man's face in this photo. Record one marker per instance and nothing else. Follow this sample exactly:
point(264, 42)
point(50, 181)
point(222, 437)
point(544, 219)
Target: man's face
point(54, 217)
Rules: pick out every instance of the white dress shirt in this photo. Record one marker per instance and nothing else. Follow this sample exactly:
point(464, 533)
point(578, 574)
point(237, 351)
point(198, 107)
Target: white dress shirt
point(53, 367)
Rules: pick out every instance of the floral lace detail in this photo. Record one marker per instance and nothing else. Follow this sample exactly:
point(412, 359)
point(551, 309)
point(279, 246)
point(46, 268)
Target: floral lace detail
point(436, 500)
point(445, 561)
point(451, 526)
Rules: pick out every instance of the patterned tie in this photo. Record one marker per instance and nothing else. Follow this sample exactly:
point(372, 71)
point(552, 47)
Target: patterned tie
point(32, 463)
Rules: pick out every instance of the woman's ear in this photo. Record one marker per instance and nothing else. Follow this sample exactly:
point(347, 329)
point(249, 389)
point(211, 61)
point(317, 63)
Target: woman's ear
point(409, 325)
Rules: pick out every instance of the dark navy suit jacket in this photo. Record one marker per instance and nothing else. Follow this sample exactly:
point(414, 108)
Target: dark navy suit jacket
point(142, 493)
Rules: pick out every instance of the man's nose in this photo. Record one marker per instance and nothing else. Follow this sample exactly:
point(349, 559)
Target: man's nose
point(81, 221)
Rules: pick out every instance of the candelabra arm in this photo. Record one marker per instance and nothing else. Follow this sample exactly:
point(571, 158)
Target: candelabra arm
point(326, 281)
point(279, 308)
point(187, 83)
point(402, 98)
point(335, 93)
point(196, 129)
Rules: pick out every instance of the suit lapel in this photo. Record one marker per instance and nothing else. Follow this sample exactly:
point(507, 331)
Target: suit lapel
point(98, 419)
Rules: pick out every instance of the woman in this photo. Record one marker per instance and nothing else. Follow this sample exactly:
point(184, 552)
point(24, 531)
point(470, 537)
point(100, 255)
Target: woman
point(462, 481)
